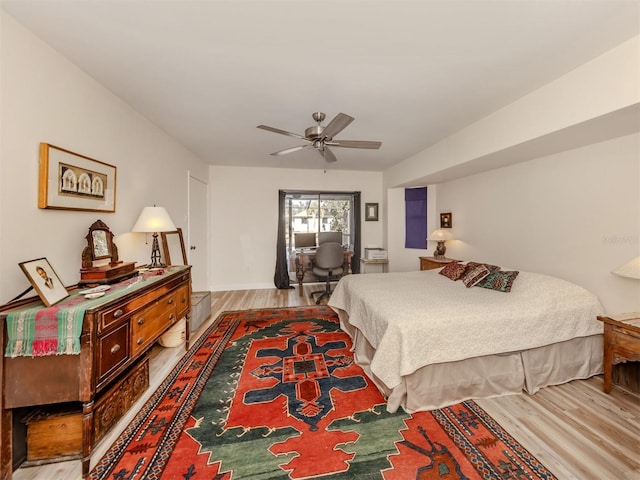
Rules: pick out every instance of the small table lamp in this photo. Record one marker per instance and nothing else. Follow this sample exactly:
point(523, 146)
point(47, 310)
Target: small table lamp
point(153, 220)
point(631, 269)
point(441, 235)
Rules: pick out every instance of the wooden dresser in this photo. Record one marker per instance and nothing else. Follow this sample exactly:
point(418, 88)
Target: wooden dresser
point(117, 332)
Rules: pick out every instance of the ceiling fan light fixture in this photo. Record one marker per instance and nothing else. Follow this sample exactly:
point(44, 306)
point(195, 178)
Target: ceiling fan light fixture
point(319, 136)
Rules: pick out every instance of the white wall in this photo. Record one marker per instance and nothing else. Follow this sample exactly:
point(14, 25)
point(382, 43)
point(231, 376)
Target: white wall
point(45, 98)
point(547, 117)
point(244, 217)
point(574, 215)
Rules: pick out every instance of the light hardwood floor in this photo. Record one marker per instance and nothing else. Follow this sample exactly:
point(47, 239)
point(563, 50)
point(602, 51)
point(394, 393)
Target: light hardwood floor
point(575, 430)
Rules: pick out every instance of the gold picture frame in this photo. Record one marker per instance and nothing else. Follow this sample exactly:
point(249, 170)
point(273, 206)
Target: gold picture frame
point(70, 181)
point(45, 280)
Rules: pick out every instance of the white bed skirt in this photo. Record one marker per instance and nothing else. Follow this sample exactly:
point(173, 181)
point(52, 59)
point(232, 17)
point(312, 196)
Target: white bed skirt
point(439, 385)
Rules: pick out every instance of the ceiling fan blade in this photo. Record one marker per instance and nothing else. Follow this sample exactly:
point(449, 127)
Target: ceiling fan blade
point(290, 150)
point(336, 125)
point(328, 155)
point(354, 144)
point(281, 132)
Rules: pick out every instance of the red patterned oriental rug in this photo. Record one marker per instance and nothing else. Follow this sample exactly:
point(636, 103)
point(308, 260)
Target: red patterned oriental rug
point(275, 394)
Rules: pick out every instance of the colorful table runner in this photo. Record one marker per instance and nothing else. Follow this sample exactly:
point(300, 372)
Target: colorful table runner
point(36, 330)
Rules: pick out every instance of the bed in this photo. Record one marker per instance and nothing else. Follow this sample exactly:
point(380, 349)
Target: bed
point(427, 341)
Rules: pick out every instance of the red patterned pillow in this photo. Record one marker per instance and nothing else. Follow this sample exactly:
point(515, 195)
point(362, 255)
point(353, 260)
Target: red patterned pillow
point(474, 274)
point(453, 270)
point(491, 268)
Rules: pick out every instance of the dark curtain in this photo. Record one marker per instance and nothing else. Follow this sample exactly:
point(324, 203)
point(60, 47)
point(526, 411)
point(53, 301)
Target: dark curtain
point(281, 277)
point(415, 201)
point(357, 243)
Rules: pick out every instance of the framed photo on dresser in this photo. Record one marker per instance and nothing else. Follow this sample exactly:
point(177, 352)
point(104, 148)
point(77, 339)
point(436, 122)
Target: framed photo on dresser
point(44, 280)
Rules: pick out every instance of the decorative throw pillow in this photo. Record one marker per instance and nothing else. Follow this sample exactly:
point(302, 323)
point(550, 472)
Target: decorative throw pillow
point(453, 270)
point(498, 280)
point(489, 266)
point(474, 274)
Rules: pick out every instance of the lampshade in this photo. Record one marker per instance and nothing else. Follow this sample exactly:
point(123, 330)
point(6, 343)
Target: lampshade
point(154, 219)
point(441, 235)
point(631, 269)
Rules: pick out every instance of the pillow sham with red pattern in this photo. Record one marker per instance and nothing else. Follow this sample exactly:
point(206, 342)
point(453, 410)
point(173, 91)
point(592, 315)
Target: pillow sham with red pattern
point(474, 274)
point(489, 266)
point(453, 270)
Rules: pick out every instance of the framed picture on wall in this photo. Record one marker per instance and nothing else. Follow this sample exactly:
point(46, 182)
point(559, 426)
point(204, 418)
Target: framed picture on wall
point(43, 278)
point(70, 181)
point(446, 220)
point(371, 212)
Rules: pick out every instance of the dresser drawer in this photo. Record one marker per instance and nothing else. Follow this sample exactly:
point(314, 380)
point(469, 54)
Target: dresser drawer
point(111, 316)
point(112, 351)
point(183, 300)
point(148, 324)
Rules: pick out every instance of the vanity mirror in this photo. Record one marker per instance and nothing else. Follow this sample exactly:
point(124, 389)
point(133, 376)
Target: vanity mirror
point(100, 248)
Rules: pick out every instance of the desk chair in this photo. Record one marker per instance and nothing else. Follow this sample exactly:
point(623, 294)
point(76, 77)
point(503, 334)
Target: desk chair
point(328, 263)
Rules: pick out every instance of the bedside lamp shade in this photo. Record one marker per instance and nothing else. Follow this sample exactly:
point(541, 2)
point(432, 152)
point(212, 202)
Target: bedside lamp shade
point(631, 269)
point(153, 220)
point(441, 235)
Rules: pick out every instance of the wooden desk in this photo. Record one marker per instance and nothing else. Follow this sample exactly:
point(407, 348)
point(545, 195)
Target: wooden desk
point(117, 332)
point(304, 263)
point(621, 342)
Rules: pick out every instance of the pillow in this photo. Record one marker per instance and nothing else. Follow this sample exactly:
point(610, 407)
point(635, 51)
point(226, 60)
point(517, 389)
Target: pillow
point(453, 270)
point(474, 274)
point(489, 266)
point(498, 280)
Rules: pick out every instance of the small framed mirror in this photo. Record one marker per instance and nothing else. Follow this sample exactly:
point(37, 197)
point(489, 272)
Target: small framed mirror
point(173, 248)
point(99, 245)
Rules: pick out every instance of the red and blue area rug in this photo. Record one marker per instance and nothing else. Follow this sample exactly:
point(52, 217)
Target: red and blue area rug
point(275, 394)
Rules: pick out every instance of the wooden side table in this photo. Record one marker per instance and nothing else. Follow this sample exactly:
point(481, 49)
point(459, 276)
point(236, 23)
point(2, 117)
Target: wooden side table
point(373, 261)
point(621, 342)
point(429, 263)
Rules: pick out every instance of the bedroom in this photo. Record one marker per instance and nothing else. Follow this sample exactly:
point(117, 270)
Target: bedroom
point(578, 221)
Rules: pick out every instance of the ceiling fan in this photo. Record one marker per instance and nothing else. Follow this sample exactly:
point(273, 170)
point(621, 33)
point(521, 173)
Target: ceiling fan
point(321, 138)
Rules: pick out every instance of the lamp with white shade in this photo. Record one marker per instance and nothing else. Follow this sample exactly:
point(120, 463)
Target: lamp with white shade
point(631, 269)
point(153, 220)
point(441, 235)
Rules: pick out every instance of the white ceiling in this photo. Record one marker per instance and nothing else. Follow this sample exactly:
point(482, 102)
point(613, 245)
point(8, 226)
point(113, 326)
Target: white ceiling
point(411, 73)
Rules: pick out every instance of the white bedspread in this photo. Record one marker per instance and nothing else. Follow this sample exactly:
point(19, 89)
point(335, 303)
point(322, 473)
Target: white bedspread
point(414, 319)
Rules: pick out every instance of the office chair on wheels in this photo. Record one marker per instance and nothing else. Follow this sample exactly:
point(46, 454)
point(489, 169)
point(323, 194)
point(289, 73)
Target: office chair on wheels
point(328, 263)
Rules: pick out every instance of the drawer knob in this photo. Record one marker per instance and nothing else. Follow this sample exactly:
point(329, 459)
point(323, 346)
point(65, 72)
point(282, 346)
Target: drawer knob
point(140, 340)
point(171, 316)
point(171, 301)
point(140, 320)
point(118, 313)
point(184, 300)
point(115, 348)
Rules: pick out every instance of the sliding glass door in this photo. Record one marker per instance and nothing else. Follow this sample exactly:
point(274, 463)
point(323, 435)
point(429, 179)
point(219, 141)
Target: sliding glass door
point(316, 213)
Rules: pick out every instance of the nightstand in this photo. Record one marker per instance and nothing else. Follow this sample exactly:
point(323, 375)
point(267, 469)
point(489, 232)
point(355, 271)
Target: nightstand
point(429, 263)
point(621, 342)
